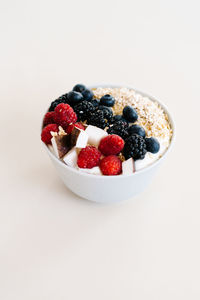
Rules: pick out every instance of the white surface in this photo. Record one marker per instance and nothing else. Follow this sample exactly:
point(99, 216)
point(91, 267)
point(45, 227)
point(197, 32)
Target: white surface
point(54, 245)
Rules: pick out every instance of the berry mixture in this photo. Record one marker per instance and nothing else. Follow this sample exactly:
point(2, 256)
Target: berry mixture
point(106, 131)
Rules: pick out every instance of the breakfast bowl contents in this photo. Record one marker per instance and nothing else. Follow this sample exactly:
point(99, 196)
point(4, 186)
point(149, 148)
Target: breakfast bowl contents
point(106, 132)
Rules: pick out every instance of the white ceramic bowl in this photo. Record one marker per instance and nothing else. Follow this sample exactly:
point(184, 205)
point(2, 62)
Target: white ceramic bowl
point(109, 189)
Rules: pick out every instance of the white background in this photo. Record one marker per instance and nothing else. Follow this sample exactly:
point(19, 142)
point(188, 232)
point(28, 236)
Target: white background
point(54, 245)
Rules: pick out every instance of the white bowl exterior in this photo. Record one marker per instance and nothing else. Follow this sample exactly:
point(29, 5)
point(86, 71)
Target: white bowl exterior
point(109, 189)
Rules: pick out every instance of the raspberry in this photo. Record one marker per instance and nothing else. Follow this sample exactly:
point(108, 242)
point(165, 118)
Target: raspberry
point(71, 127)
point(111, 144)
point(64, 115)
point(49, 118)
point(89, 157)
point(46, 133)
point(111, 165)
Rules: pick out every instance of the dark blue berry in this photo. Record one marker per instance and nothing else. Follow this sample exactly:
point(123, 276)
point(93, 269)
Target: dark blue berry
point(102, 107)
point(74, 97)
point(95, 102)
point(83, 110)
point(152, 145)
point(61, 99)
point(88, 95)
point(107, 100)
point(107, 111)
point(79, 88)
point(136, 129)
point(97, 119)
point(117, 118)
point(130, 114)
point(120, 128)
point(135, 147)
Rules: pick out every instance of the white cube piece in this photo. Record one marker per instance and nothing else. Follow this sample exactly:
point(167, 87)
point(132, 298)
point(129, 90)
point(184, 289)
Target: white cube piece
point(82, 140)
point(54, 146)
point(61, 144)
point(95, 135)
point(128, 166)
point(79, 138)
point(71, 158)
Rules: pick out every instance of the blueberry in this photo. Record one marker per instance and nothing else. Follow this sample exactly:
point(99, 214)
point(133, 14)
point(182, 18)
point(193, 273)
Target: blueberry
point(87, 95)
point(130, 114)
point(107, 100)
point(74, 97)
point(117, 118)
point(79, 88)
point(152, 145)
point(136, 129)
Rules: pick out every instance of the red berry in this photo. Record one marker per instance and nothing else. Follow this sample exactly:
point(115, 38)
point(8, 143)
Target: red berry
point(111, 144)
point(64, 115)
point(79, 125)
point(88, 157)
point(49, 118)
point(111, 165)
point(46, 133)
point(71, 127)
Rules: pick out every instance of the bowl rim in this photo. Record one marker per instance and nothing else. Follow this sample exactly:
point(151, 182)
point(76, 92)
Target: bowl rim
point(145, 169)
